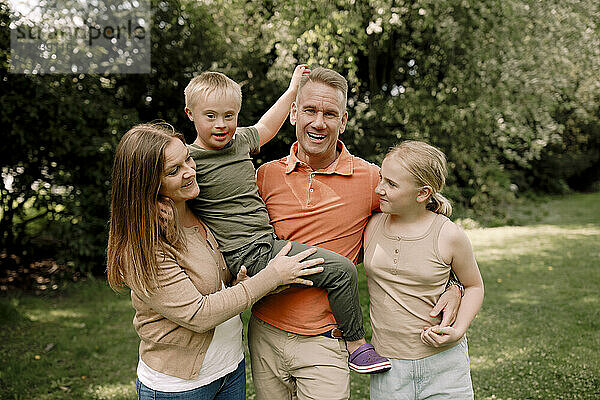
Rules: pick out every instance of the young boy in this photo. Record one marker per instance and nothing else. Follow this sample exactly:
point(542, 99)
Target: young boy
point(230, 205)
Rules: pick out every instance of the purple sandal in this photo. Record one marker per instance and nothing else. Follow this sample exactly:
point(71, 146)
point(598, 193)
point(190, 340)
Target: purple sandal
point(365, 360)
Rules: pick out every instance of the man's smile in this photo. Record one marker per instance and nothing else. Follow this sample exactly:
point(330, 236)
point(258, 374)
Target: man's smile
point(315, 136)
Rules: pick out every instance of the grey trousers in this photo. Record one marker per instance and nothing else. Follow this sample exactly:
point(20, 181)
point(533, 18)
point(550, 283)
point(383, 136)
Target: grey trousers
point(339, 278)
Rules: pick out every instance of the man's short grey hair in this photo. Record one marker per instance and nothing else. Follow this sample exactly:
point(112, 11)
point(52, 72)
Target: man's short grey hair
point(330, 78)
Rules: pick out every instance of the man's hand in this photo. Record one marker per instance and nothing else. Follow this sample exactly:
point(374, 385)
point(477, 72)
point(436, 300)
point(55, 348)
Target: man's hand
point(243, 275)
point(448, 305)
point(279, 289)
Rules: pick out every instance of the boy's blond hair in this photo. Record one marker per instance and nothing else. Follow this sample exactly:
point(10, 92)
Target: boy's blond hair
point(210, 82)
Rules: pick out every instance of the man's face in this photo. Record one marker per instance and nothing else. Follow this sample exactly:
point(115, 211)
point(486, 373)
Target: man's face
point(319, 117)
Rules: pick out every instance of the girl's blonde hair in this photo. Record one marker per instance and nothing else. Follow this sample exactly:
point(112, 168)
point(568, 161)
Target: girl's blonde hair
point(136, 237)
point(427, 165)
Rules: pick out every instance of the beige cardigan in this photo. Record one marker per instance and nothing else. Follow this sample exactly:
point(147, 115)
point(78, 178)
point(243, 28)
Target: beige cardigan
point(176, 322)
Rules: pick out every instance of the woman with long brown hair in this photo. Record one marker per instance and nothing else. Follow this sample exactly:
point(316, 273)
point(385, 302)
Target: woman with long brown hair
point(186, 317)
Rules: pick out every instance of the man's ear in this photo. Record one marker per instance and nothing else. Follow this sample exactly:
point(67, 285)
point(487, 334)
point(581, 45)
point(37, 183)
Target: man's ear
point(344, 121)
point(293, 113)
point(424, 194)
point(189, 113)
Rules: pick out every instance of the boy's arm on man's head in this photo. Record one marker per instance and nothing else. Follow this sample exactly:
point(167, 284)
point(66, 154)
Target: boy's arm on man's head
point(270, 123)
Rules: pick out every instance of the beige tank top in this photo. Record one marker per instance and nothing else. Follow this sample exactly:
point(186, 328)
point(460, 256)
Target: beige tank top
point(406, 277)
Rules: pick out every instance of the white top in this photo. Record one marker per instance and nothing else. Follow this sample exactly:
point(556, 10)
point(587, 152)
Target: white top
point(223, 356)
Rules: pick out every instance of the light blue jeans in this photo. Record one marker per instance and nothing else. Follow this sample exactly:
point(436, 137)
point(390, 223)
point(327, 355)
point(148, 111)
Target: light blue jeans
point(445, 375)
point(230, 387)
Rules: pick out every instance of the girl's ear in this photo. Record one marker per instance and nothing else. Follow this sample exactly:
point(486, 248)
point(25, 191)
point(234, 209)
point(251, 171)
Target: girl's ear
point(424, 194)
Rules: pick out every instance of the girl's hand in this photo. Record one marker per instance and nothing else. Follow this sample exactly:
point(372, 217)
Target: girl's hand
point(291, 268)
point(437, 336)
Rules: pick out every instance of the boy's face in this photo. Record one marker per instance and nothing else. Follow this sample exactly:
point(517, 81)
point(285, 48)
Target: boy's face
point(215, 118)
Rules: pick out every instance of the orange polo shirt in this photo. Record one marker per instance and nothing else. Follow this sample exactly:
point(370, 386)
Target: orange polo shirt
point(328, 208)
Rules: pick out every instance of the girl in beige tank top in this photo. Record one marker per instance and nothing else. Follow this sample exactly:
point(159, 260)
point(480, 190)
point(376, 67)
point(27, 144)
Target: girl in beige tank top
point(409, 252)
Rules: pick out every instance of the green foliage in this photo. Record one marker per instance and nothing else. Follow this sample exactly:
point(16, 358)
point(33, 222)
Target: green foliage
point(508, 89)
point(485, 81)
point(61, 132)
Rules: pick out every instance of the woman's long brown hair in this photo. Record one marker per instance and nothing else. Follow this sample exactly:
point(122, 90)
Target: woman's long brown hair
point(136, 238)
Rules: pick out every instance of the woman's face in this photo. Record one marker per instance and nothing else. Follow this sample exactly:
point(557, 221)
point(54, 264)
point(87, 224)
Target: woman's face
point(178, 178)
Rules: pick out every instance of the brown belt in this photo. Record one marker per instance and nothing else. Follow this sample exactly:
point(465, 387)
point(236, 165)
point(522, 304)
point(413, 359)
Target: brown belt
point(335, 333)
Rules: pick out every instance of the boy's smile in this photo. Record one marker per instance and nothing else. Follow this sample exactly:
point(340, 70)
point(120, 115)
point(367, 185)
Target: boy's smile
point(215, 118)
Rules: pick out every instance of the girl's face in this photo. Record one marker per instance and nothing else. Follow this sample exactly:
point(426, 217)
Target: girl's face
point(178, 179)
point(397, 188)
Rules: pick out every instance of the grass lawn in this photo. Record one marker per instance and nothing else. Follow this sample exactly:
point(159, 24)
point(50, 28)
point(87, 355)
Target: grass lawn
point(536, 336)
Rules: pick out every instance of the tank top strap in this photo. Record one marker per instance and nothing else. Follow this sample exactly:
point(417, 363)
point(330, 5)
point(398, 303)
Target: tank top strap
point(436, 228)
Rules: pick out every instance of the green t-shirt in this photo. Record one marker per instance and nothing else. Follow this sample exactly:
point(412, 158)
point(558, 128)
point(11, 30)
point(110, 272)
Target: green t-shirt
point(229, 202)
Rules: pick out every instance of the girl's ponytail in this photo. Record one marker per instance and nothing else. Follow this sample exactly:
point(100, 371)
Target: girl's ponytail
point(439, 204)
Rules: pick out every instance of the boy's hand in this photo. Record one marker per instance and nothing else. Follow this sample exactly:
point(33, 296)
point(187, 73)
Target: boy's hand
point(241, 276)
point(270, 123)
point(165, 211)
point(300, 71)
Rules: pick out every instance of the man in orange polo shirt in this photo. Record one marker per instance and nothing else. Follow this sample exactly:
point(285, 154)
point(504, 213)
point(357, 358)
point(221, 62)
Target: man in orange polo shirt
point(320, 195)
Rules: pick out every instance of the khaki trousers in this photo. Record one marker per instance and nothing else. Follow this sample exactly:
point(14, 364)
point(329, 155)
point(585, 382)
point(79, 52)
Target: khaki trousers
point(288, 366)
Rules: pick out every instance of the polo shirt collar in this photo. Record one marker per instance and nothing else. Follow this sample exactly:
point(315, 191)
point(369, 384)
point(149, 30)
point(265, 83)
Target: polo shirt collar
point(343, 164)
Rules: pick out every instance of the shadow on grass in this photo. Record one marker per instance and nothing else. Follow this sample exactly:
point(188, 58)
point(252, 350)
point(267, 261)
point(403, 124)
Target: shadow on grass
point(79, 345)
point(537, 333)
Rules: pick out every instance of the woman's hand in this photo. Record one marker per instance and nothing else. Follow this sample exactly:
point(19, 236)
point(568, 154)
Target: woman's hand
point(291, 268)
point(437, 335)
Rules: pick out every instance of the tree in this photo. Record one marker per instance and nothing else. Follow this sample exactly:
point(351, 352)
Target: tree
point(508, 89)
